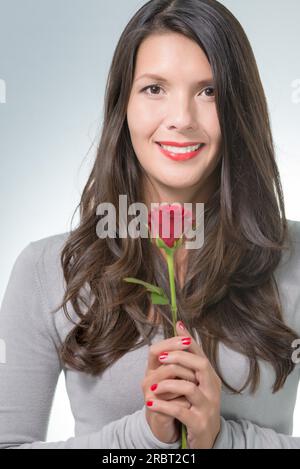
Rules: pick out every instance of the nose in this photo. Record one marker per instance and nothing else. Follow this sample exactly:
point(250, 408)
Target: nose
point(181, 114)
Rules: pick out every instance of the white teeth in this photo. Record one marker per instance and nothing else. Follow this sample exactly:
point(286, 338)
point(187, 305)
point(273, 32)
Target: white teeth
point(182, 150)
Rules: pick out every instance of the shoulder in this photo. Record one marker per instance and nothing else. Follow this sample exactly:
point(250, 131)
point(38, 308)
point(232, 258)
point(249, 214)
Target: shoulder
point(41, 258)
point(39, 268)
point(294, 231)
point(47, 249)
point(287, 276)
point(35, 287)
point(290, 261)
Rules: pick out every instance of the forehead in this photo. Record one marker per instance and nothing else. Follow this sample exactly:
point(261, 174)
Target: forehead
point(171, 52)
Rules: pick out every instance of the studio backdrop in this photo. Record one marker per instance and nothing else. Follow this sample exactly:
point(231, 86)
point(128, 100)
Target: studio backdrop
point(54, 60)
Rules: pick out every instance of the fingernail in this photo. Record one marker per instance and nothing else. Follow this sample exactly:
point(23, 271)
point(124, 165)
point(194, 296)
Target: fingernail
point(181, 325)
point(163, 356)
point(149, 403)
point(186, 341)
point(153, 387)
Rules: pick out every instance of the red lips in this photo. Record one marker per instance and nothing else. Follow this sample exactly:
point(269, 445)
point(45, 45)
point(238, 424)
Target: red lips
point(178, 144)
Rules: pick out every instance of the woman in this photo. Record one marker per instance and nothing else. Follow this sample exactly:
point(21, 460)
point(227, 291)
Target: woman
point(234, 383)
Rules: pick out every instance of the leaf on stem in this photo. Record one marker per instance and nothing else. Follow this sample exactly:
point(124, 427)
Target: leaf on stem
point(159, 299)
point(151, 288)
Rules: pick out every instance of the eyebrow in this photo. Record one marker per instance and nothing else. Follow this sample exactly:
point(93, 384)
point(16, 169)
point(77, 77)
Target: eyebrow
point(164, 80)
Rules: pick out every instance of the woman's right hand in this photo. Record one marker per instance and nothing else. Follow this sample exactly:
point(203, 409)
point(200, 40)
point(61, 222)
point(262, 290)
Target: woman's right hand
point(165, 428)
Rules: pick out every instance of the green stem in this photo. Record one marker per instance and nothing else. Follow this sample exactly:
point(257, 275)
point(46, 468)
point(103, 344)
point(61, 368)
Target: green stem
point(183, 437)
point(170, 261)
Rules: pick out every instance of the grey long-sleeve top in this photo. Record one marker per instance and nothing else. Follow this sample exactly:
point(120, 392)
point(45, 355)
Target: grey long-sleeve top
point(109, 410)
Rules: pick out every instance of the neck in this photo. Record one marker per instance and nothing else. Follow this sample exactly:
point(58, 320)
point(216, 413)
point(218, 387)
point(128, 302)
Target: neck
point(159, 193)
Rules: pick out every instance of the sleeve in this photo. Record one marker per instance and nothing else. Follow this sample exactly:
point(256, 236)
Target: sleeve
point(29, 371)
point(243, 434)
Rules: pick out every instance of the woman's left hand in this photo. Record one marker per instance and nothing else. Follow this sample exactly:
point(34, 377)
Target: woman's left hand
point(202, 419)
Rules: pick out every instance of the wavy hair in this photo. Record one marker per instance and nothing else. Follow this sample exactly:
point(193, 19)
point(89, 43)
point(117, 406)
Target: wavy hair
point(230, 293)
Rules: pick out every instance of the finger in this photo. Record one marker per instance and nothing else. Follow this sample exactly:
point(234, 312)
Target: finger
point(189, 390)
point(181, 401)
point(212, 378)
point(174, 343)
point(172, 371)
point(195, 347)
point(187, 360)
point(175, 370)
point(172, 409)
point(205, 374)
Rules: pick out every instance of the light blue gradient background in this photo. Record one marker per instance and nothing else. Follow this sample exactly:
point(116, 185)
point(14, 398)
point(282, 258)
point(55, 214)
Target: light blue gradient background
point(54, 59)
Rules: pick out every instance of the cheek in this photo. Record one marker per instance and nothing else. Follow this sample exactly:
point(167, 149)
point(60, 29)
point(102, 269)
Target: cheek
point(142, 121)
point(215, 126)
point(210, 123)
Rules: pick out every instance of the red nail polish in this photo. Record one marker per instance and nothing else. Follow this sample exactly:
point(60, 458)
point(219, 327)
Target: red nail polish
point(150, 403)
point(153, 387)
point(186, 341)
point(163, 355)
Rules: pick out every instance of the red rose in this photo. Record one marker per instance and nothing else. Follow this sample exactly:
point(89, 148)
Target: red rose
point(178, 223)
point(181, 221)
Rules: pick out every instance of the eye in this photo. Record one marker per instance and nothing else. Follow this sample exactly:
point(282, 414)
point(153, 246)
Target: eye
point(158, 87)
point(153, 87)
point(209, 88)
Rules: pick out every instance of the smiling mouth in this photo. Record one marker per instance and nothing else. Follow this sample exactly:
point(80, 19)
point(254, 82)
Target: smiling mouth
point(180, 155)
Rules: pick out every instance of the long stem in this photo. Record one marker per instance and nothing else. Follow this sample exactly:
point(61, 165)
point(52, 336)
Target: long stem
point(170, 260)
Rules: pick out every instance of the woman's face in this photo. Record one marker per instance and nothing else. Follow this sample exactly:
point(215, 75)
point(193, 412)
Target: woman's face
point(178, 109)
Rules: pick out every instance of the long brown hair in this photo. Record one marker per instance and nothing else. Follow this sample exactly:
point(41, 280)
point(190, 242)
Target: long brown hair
point(230, 293)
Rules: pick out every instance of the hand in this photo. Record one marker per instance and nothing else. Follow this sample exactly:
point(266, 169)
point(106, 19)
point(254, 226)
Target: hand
point(165, 427)
point(202, 417)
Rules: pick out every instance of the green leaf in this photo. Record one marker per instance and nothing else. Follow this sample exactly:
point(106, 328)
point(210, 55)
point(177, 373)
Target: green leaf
point(159, 299)
point(148, 286)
